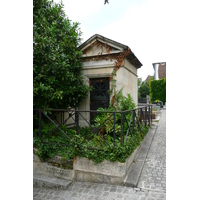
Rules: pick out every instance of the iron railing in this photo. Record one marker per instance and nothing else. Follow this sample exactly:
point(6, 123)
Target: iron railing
point(117, 123)
point(56, 117)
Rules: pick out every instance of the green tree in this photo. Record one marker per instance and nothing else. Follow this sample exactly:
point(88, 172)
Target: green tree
point(57, 79)
point(144, 90)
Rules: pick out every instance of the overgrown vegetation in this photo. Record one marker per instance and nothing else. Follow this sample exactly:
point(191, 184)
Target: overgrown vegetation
point(111, 152)
point(158, 90)
point(97, 147)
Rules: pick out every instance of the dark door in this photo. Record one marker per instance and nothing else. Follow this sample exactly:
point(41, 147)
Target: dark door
point(99, 96)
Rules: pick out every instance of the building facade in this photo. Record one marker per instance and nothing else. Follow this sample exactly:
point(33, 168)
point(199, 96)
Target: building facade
point(107, 62)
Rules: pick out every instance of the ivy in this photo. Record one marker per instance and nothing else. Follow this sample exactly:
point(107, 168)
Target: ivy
point(82, 147)
point(158, 90)
point(112, 153)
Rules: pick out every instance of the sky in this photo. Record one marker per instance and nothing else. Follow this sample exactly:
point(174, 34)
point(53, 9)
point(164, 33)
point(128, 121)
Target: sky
point(148, 27)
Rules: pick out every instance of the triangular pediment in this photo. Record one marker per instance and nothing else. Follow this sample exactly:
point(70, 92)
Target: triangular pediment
point(99, 48)
point(99, 45)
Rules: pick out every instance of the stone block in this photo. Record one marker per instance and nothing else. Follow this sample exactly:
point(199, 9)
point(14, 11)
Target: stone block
point(104, 172)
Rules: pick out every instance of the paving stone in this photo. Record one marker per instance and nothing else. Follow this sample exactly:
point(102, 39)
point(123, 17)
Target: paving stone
point(34, 195)
point(89, 186)
point(128, 190)
point(97, 192)
point(74, 194)
point(56, 198)
point(120, 190)
point(85, 196)
point(119, 196)
point(106, 189)
point(49, 196)
point(105, 194)
point(86, 191)
point(113, 189)
point(112, 195)
point(135, 198)
point(57, 193)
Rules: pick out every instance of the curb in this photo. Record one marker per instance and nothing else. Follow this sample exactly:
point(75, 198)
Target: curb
point(135, 171)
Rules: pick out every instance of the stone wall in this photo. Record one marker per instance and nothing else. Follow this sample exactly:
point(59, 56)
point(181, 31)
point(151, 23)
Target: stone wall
point(85, 169)
point(104, 172)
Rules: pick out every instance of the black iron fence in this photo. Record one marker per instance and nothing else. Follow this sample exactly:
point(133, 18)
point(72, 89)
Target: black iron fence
point(107, 125)
point(53, 122)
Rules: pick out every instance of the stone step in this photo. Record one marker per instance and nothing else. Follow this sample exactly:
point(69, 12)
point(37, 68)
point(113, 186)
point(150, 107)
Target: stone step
point(47, 169)
point(40, 181)
point(133, 175)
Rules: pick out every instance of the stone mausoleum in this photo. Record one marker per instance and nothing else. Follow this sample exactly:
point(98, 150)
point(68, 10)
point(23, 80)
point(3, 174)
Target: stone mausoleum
point(104, 61)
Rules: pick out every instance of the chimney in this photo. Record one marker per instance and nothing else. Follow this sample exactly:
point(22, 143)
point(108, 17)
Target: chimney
point(155, 66)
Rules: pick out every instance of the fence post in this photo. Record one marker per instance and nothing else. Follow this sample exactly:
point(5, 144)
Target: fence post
point(149, 115)
point(77, 121)
point(114, 129)
point(61, 118)
point(133, 120)
point(138, 120)
point(141, 114)
point(122, 128)
point(40, 124)
point(145, 116)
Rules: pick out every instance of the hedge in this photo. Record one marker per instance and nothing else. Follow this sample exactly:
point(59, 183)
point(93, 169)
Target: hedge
point(158, 90)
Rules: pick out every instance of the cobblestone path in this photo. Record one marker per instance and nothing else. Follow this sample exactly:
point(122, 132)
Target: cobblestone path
point(153, 176)
point(95, 191)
